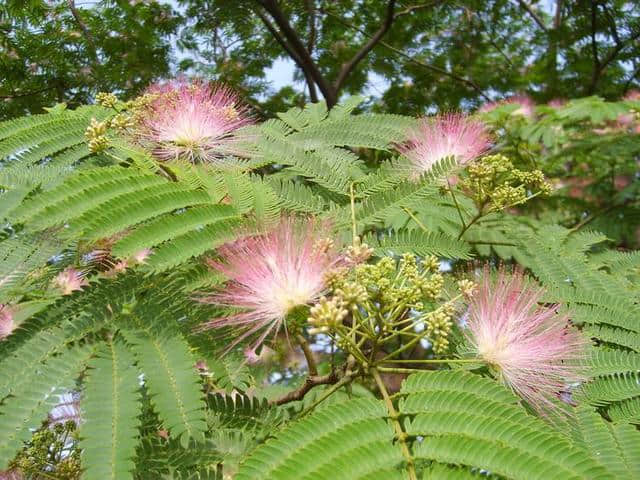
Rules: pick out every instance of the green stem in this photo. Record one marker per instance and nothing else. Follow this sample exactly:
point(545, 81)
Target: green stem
point(395, 419)
point(348, 378)
point(455, 201)
point(415, 219)
point(399, 370)
point(477, 217)
point(353, 211)
point(437, 360)
point(405, 347)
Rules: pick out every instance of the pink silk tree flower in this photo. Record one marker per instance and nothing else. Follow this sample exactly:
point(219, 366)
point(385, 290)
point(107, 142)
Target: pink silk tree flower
point(632, 95)
point(533, 349)
point(557, 102)
point(141, 256)
point(270, 275)
point(526, 103)
point(7, 325)
point(448, 135)
point(192, 121)
point(69, 280)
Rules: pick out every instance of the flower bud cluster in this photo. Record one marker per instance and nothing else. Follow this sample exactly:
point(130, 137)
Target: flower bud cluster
point(107, 100)
point(438, 327)
point(352, 294)
point(493, 181)
point(327, 314)
point(122, 121)
point(358, 252)
point(467, 287)
point(377, 308)
point(95, 135)
point(324, 245)
point(49, 455)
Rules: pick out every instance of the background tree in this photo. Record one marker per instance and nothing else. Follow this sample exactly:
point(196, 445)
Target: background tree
point(66, 51)
point(431, 53)
point(411, 56)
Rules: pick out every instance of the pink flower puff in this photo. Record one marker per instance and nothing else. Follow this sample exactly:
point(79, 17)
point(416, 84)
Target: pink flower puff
point(193, 121)
point(557, 102)
point(532, 348)
point(7, 324)
point(527, 106)
point(632, 95)
point(270, 275)
point(69, 280)
point(449, 135)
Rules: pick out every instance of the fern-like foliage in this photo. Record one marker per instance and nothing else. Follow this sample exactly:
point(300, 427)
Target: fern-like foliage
point(451, 417)
point(111, 407)
point(158, 400)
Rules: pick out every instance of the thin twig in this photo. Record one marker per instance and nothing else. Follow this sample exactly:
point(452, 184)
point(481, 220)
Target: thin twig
point(533, 14)
point(455, 201)
point(413, 60)
point(398, 370)
point(415, 219)
point(85, 30)
point(436, 360)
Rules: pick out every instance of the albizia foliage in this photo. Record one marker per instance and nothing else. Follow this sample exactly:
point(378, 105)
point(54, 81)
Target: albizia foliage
point(187, 291)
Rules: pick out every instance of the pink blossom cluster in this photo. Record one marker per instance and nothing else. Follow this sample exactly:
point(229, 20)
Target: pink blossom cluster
point(533, 349)
point(527, 107)
point(450, 135)
point(192, 121)
point(271, 274)
point(69, 280)
point(7, 324)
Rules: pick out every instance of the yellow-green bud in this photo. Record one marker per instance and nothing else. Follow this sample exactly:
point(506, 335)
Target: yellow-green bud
point(467, 287)
point(327, 313)
point(107, 100)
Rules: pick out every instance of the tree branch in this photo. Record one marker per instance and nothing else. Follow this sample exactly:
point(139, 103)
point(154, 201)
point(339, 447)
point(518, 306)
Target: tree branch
point(413, 60)
point(303, 59)
point(412, 8)
point(557, 19)
point(27, 94)
point(367, 47)
point(618, 48)
point(627, 84)
point(533, 14)
point(309, 383)
point(489, 34)
point(311, 43)
point(313, 94)
point(85, 30)
point(599, 66)
point(308, 355)
point(311, 10)
point(612, 24)
point(594, 42)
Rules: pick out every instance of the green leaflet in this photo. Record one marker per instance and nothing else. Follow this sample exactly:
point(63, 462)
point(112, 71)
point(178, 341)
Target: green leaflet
point(419, 242)
point(170, 376)
point(29, 405)
point(110, 408)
